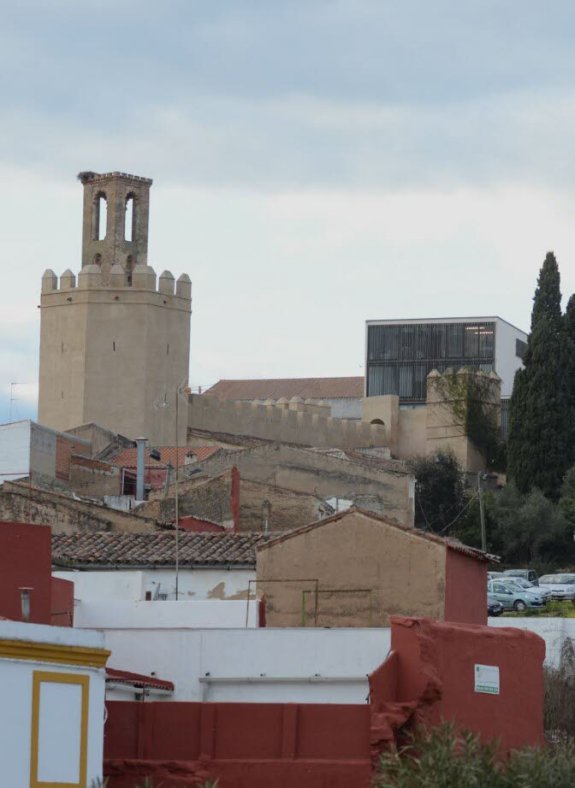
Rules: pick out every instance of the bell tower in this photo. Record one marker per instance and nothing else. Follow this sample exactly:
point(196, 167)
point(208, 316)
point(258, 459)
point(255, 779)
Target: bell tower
point(115, 221)
point(115, 340)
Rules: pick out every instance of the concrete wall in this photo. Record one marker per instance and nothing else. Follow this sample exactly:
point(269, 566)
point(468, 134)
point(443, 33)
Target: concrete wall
point(375, 569)
point(94, 478)
point(59, 705)
point(15, 450)
point(554, 631)
point(278, 423)
point(344, 408)
point(316, 665)
point(132, 585)
point(21, 503)
point(203, 614)
point(385, 488)
point(412, 438)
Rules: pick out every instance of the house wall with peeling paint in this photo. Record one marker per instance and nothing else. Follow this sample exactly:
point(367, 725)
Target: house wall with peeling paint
point(132, 585)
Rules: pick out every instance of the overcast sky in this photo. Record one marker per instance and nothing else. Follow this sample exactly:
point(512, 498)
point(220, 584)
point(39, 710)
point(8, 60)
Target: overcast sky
point(315, 163)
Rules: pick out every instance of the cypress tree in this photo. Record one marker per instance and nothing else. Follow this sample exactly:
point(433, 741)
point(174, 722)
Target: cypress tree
point(540, 417)
point(570, 367)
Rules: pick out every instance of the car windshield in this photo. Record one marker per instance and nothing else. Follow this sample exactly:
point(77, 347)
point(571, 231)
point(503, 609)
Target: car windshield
point(520, 581)
point(564, 580)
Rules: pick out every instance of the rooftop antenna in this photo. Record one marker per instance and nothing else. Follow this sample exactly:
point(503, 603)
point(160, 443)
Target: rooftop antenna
point(13, 398)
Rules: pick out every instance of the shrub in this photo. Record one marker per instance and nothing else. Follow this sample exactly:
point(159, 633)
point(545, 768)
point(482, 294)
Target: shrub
point(443, 758)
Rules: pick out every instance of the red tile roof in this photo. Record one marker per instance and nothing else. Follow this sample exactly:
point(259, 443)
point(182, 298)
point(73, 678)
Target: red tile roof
point(99, 549)
point(275, 388)
point(128, 458)
point(137, 680)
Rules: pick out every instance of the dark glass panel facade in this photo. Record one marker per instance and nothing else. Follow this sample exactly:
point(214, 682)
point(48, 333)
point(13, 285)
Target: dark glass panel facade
point(399, 357)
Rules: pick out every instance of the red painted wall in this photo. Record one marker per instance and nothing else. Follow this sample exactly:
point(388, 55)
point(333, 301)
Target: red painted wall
point(190, 523)
point(25, 560)
point(62, 603)
point(427, 677)
point(436, 668)
point(465, 589)
point(255, 744)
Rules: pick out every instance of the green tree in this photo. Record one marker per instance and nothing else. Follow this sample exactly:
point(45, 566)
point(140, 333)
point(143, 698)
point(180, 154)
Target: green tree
point(531, 529)
point(569, 355)
point(440, 494)
point(540, 417)
point(567, 500)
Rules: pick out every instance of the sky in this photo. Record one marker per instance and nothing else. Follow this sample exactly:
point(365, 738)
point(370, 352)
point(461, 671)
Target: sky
point(316, 163)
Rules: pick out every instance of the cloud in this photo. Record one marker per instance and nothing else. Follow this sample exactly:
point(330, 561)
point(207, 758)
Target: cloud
point(316, 163)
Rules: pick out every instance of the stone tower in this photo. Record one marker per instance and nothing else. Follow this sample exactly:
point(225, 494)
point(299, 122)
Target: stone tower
point(114, 346)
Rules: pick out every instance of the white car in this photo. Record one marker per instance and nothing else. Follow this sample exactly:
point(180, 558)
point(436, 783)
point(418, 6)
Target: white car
point(561, 586)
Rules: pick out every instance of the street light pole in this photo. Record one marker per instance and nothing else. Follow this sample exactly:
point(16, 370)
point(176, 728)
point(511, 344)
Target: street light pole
point(177, 502)
point(481, 514)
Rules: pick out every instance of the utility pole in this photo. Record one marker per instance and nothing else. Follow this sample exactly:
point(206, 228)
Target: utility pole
point(481, 513)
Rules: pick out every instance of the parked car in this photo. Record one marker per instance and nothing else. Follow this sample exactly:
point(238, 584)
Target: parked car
point(527, 574)
point(561, 586)
point(494, 606)
point(520, 582)
point(514, 598)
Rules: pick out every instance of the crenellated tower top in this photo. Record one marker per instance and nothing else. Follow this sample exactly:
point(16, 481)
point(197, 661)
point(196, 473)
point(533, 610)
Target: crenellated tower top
point(115, 221)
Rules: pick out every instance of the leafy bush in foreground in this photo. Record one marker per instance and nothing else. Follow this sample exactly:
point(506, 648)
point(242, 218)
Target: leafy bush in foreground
point(442, 758)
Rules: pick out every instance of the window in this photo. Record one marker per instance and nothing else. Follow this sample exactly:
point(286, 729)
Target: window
point(99, 217)
point(129, 218)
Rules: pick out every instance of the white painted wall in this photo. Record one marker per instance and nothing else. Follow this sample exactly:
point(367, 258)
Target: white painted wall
point(316, 665)
point(204, 614)
point(506, 360)
point(554, 631)
point(43, 450)
point(14, 450)
point(59, 710)
point(132, 585)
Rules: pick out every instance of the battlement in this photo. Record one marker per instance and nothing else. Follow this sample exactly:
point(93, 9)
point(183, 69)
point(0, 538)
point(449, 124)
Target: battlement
point(286, 421)
point(87, 176)
point(142, 277)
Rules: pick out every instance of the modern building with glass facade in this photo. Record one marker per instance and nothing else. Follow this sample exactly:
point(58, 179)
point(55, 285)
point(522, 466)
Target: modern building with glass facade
point(401, 353)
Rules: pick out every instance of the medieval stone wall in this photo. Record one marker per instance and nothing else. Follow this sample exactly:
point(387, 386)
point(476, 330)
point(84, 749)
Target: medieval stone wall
point(21, 503)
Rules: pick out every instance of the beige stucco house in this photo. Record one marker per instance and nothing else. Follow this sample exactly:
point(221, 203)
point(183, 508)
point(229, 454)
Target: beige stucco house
point(358, 569)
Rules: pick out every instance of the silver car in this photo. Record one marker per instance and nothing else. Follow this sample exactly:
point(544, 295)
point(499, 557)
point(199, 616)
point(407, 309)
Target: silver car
point(561, 586)
point(513, 598)
point(529, 588)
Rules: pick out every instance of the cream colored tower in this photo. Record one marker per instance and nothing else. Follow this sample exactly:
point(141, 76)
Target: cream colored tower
point(115, 345)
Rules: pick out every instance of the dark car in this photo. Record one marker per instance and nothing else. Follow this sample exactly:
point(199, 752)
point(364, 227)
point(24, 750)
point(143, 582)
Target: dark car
point(494, 606)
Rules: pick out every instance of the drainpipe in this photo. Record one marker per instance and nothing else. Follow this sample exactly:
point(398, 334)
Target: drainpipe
point(141, 445)
point(25, 602)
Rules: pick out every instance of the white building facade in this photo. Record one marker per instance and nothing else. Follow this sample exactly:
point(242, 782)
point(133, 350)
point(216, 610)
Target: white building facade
point(52, 710)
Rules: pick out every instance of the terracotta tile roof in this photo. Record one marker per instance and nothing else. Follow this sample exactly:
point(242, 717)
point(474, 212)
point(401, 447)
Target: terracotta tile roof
point(452, 544)
point(137, 680)
point(128, 458)
point(274, 388)
point(99, 549)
